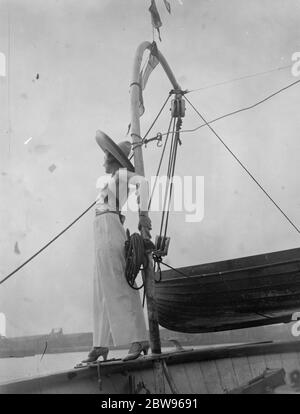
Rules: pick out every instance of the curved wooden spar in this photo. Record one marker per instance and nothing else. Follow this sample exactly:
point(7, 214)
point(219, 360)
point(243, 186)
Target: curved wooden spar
point(135, 100)
point(139, 168)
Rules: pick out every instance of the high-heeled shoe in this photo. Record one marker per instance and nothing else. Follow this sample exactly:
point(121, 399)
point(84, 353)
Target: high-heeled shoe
point(136, 350)
point(97, 352)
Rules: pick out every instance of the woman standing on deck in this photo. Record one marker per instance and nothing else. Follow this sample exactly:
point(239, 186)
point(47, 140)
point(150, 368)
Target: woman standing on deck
point(118, 313)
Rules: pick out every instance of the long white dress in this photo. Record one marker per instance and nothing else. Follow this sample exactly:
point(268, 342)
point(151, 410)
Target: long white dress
point(118, 313)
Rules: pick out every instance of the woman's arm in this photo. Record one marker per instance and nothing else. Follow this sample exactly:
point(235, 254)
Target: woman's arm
point(122, 179)
point(142, 193)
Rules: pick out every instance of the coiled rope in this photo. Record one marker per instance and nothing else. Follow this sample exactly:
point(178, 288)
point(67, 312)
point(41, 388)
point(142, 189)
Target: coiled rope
point(136, 255)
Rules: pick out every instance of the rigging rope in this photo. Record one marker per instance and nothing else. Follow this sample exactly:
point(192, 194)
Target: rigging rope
point(173, 268)
point(161, 241)
point(245, 168)
point(170, 174)
point(172, 168)
point(159, 165)
point(253, 75)
point(228, 114)
point(46, 245)
point(168, 179)
point(247, 108)
point(142, 142)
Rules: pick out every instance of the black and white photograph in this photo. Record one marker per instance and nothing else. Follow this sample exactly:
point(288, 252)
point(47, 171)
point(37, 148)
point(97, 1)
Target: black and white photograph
point(150, 202)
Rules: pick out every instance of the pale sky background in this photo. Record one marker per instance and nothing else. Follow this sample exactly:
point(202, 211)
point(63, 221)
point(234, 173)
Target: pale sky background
point(83, 52)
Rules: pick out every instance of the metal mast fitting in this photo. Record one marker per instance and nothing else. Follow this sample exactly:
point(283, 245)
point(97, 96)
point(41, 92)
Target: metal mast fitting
point(178, 103)
point(178, 107)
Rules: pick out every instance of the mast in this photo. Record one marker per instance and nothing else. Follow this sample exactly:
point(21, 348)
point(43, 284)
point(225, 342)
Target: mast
point(148, 274)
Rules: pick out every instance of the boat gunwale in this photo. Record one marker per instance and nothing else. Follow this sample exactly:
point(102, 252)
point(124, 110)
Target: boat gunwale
point(224, 272)
point(270, 260)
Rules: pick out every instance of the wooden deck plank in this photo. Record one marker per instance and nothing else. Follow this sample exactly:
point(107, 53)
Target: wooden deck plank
point(145, 378)
point(180, 378)
point(273, 361)
point(227, 374)
point(187, 368)
point(197, 379)
point(298, 359)
point(242, 370)
point(211, 377)
point(257, 365)
point(298, 355)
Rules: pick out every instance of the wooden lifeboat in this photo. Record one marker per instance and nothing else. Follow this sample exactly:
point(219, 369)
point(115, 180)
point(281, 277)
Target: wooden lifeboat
point(233, 294)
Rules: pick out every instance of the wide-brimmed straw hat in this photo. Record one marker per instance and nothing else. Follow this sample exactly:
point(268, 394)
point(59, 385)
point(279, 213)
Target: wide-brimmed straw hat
point(119, 151)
